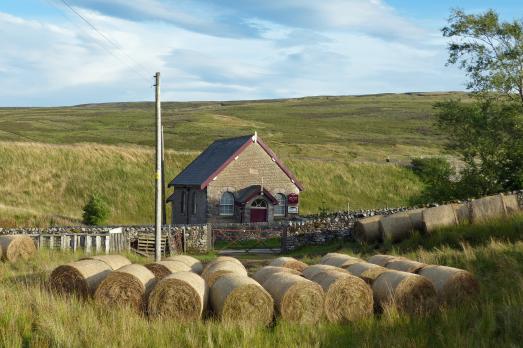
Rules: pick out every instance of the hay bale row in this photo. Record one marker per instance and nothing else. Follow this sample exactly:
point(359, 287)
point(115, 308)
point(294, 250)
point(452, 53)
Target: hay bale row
point(162, 269)
point(128, 286)
point(195, 264)
point(182, 296)
point(297, 299)
point(238, 298)
point(452, 285)
point(16, 247)
point(289, 262)
point(339, 260)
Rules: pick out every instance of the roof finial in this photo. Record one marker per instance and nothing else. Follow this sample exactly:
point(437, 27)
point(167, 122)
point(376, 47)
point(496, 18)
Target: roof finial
point(255, 137)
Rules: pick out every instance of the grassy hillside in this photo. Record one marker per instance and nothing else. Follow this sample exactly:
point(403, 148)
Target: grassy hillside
point(32, 316)
point(49, 184)
point(337, 147)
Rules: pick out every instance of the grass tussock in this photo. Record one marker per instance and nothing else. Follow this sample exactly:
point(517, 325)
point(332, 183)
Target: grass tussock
point(32, 316)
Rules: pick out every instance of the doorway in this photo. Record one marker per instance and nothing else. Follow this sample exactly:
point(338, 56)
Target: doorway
point(259, 210)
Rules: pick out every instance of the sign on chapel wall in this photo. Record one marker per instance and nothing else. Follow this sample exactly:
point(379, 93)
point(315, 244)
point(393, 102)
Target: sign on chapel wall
point(292, 198)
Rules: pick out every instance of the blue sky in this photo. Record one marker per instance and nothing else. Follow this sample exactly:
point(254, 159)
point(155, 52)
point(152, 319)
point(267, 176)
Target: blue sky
point(225, 49)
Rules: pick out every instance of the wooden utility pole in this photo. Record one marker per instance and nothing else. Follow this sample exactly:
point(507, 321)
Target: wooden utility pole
point(164, 208)
point(158, 176)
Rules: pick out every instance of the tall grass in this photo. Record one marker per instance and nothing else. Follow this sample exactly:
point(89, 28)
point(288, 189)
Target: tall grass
point(49, 184)
point(30, 315)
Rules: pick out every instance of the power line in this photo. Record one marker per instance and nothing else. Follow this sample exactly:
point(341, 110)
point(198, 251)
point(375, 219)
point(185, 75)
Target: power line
point(134, 65)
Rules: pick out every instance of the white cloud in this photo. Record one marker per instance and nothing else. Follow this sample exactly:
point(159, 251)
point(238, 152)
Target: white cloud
point(329, 47)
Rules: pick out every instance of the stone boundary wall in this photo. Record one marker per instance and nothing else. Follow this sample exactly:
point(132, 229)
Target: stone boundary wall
point(312, 230)
point(338, 226)
point(196, 237)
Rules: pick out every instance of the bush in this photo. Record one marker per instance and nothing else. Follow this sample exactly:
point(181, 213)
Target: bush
point(96, 211)
point(436, 174)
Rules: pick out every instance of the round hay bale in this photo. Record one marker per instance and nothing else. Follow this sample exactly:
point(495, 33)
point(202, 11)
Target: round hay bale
point(221, 259)
point(162, 269)
point(438, 217)
point(218, 269)
point(487, 208)
point(265, 272)
point(416, 217)
point(339, 260)
point(241, 299)
point(297, 299)
point(368, 229)
point(311, 271)
point(462, 211)
point(396, 227)
point(511, 204)
point(15, 247)
point(347, 298)
point(113, 261)
point(182, 296)
point(409, 293)
point(194, 263)
point(382, 260)
point(288, 262)
point(126, 286)
point(405, 265)
point(81, 278)
point(366, 271)
point(452, 285)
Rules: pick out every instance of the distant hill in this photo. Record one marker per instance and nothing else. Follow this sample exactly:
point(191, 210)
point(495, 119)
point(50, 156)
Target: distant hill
point(337, 145)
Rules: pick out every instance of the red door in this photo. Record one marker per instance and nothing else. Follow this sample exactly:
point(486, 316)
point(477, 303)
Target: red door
point(258, 215)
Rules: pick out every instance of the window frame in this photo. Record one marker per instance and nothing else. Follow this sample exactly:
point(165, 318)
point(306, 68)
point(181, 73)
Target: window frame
point(183, 202)
point(229, 205)
point(194, 204)
point(281, 206)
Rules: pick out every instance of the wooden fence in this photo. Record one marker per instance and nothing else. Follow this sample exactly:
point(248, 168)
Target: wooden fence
point(113, 241)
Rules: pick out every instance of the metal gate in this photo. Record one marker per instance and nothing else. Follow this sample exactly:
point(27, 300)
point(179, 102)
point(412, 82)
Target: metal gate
point(246, 239)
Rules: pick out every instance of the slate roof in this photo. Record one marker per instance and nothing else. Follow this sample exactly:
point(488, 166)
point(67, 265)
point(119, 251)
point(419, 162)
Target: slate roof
point(209, 161)
point(253, 191)
point(217, 156)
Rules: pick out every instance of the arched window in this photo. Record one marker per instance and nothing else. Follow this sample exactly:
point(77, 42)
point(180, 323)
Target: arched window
point(183, 202)
point(194, 206)
point(279, 210)
point(227, 204)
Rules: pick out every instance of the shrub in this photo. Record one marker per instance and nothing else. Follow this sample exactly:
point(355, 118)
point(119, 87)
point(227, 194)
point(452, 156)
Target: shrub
point(96, 211)
point(436, 174)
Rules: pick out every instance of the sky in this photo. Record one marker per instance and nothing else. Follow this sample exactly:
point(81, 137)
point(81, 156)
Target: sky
point(225, 49)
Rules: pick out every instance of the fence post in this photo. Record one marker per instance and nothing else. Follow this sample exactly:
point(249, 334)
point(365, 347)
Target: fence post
point(283, 240)
point(210, 238)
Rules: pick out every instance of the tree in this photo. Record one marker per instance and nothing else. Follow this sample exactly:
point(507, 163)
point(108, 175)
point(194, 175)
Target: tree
point(96, 211)
point(486, 133)
point(490, 52)
point(488, 136)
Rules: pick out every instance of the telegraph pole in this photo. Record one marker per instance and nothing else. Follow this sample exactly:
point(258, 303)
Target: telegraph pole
point(158, 176)
point(164, 209)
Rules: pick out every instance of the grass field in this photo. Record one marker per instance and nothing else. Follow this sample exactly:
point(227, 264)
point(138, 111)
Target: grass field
point(31, 316)
point(51, 159)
